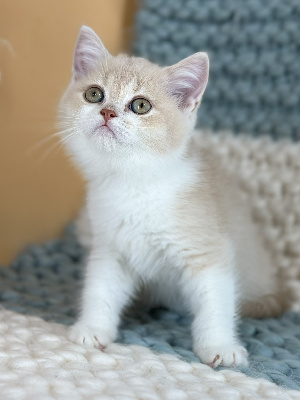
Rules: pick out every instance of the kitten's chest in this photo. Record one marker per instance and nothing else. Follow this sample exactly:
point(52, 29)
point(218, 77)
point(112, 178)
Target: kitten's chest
point(137, 223)
point(135, 212)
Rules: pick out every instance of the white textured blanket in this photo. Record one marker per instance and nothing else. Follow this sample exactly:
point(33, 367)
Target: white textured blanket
point(38, 362)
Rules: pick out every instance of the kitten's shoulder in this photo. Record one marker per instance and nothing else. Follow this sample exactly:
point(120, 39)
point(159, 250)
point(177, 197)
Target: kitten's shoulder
point(214, 181)
point(202, 151)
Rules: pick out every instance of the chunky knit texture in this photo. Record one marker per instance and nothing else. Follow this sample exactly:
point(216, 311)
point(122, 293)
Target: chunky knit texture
point(45, 280)
point(38, 362)
point(254, 49)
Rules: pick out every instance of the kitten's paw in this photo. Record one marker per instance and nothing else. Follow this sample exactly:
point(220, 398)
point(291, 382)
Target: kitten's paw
point(224, 355)
point(93, 336)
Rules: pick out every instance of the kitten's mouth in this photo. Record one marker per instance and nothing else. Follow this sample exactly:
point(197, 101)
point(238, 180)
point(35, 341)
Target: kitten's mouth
point(105, 130)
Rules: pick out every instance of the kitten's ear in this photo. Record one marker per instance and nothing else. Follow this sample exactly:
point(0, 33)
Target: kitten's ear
point(187, 80)
point(89, 52)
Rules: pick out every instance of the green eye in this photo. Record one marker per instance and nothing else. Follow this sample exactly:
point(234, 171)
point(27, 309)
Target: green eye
point(140, 106)
point(94, 95)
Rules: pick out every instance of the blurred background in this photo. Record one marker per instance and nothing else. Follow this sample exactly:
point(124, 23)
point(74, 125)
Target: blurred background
point(254, 50)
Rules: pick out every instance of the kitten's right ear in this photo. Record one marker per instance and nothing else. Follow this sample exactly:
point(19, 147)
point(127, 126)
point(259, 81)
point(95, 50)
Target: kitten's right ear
point(89, 52)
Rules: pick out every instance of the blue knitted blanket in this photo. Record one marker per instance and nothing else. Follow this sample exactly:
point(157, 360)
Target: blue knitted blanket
point(45, 281)
point(254, 50)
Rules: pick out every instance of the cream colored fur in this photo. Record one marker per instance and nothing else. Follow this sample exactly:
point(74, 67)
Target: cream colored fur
point(165, 219)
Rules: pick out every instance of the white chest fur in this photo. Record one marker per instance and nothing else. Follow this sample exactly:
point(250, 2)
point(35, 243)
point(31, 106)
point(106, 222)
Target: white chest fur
point(137, 219)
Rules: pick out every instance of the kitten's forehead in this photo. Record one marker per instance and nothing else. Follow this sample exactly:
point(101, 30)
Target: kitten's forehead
point(134, 72)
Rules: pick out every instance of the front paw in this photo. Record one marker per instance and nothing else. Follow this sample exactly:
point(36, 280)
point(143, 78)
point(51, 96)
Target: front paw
point(90, 335)
point(232, 355)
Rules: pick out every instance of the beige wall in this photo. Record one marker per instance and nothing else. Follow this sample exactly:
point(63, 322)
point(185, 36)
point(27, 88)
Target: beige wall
point(39, 190)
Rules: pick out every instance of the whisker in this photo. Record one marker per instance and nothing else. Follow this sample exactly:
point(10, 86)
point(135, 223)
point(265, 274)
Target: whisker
point(56, 146)
point(60, 133)
point(44, 140)
point(43, 157)
point(37, 145)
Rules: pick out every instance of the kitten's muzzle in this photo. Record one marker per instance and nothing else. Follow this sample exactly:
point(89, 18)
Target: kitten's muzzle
point(107, 114)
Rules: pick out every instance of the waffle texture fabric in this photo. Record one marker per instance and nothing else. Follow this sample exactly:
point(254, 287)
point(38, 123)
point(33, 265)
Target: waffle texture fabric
point(45, 282)
point(254, 50)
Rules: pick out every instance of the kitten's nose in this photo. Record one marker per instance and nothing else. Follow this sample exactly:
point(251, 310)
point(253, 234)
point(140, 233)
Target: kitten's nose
point(107, 114)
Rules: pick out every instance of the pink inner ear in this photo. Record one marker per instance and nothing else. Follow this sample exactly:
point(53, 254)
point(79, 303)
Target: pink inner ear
point(89, 51)
point(188, 79)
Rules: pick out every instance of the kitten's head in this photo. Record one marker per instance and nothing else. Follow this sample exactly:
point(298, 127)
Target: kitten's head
point(126, 110)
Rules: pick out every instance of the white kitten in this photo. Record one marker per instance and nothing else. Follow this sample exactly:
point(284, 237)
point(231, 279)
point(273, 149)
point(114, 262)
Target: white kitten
point(164, 219)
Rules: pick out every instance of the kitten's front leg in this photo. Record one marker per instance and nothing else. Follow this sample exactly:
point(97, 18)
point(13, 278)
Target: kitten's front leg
point(211, 295)
point(107, 289)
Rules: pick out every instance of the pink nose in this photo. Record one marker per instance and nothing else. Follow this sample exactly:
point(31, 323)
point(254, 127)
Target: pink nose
point(107, 114)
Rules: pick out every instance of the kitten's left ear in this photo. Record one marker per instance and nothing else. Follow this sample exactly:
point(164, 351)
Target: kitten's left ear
point(89, 52)
point(187, 80)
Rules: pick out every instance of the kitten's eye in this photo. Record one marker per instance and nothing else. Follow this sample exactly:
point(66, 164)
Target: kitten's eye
point(140, 106)
point(94, 95)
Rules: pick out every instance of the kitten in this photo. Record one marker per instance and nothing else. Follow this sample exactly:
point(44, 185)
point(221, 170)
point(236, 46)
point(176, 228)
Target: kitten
point(165, 221)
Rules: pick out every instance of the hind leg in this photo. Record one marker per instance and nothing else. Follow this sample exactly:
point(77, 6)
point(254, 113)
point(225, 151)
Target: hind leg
point(263, 294)
point(270, 305)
